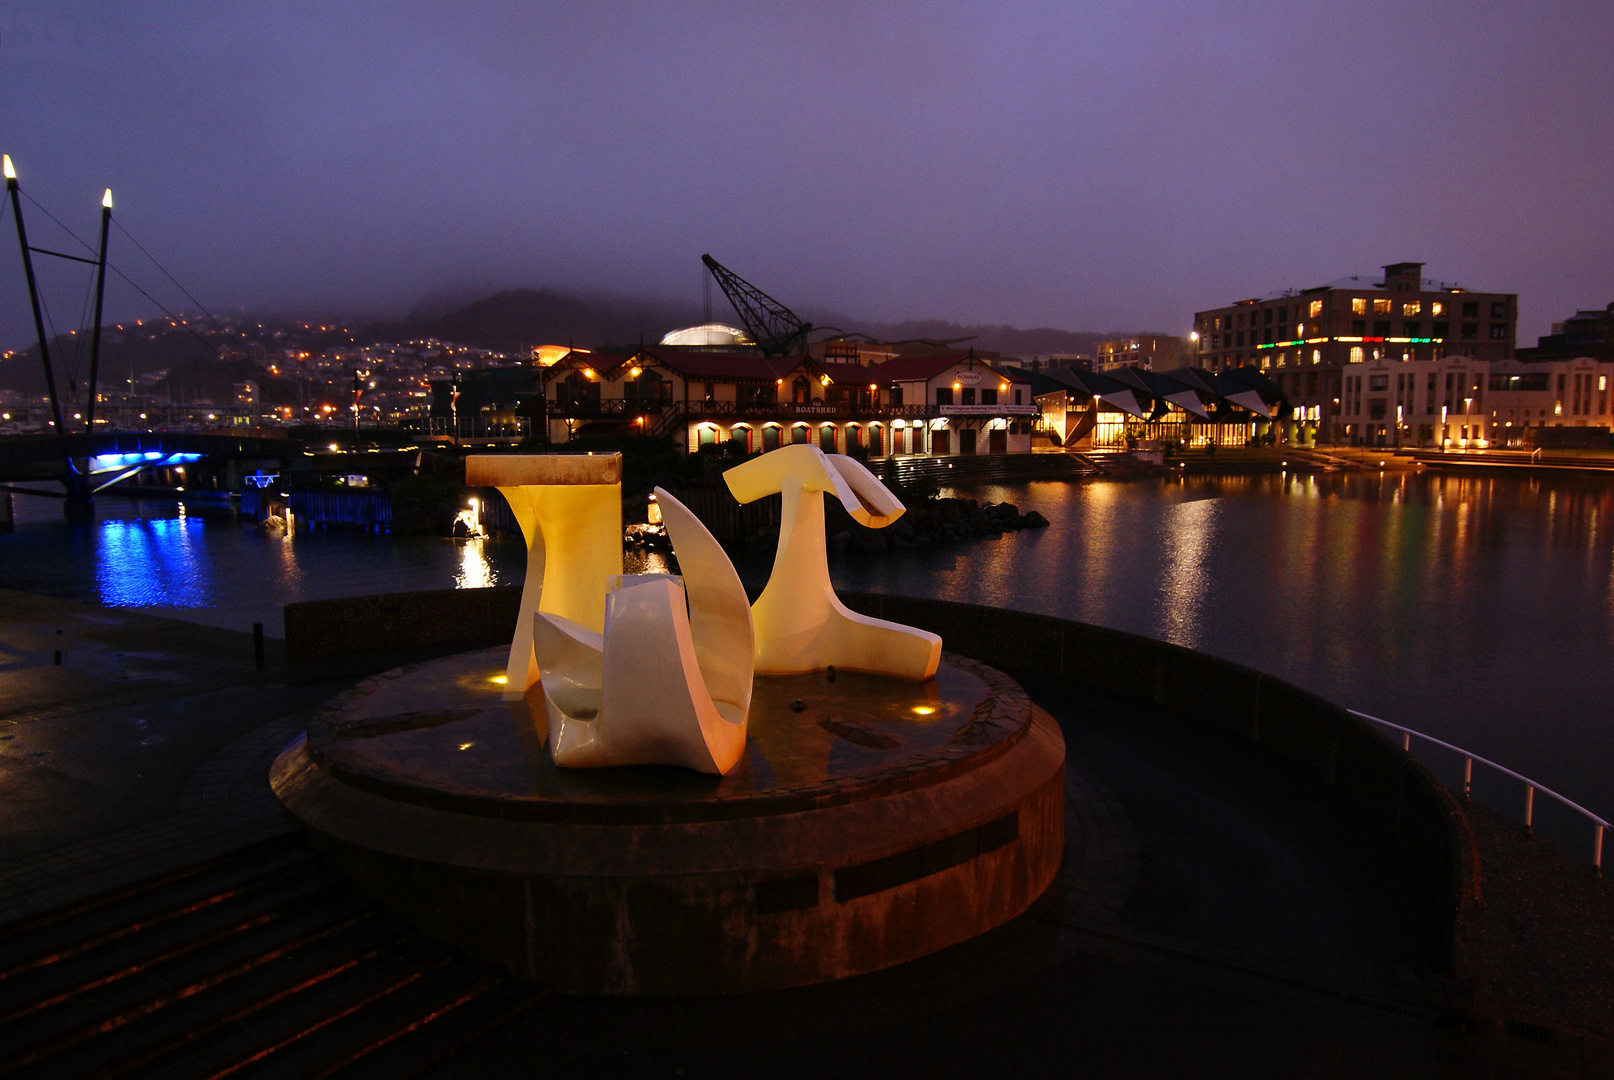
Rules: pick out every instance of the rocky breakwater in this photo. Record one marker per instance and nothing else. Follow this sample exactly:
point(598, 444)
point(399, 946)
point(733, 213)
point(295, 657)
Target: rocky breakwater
point(933, 521)
point(927, 522)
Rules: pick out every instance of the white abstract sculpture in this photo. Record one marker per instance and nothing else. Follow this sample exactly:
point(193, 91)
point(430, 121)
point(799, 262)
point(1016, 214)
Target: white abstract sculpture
point(801, 625)
point(666, 683)
point(569, 507)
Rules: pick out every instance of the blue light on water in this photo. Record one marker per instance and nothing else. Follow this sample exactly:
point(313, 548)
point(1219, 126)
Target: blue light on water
point(157, 562)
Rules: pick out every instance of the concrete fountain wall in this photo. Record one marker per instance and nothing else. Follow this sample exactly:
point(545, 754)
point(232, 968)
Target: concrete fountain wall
point(1312, 736)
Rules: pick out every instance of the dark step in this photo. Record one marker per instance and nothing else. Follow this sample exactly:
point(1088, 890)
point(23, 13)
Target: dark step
point(24, 941)
point(137, 955)
point(107, 1008)
point(428, 1046)
point(235, 1004)
point(381, 1023)
point(110, 932)
point(307, 1019)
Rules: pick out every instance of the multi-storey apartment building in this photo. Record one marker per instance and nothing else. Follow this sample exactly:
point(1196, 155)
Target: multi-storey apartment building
point(1304, 340)
point(1153, 352)
point(1462, 401)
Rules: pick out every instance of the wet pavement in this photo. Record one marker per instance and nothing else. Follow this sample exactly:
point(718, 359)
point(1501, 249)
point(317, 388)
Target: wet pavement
point(1212, 918)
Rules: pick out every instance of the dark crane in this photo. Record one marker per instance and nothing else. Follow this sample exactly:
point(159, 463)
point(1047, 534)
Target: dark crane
point(775, 328)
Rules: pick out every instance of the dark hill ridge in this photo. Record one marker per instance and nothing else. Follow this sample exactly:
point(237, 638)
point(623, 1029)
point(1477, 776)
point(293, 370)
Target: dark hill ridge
point(518, 318)
point(515, 318)
point(510, 320)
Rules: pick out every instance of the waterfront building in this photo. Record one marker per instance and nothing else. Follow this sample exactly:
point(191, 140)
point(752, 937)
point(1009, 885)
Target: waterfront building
point(955, 403)
point(1304, 340)
point(1152, 352)
point(1122, 408)
point(1466, 402)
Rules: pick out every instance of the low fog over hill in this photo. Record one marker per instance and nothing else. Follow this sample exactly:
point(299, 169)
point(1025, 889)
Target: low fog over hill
point(510, 320)
point(515, 318)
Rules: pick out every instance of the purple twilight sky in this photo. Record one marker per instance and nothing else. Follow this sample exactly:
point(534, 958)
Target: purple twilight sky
point(1087, 166)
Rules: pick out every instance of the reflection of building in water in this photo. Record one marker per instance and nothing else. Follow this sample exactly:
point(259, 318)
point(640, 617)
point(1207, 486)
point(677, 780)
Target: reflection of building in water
point(1187, 536)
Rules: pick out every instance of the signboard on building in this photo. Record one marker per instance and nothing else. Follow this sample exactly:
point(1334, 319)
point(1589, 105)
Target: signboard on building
point(987, 410)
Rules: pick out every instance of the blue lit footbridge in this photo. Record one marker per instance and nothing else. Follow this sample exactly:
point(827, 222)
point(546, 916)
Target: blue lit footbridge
point(80, 465)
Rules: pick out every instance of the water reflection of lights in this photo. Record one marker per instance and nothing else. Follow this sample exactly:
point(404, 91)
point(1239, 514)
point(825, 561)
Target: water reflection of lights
point(153, 563)
point(475, 571)
point(1189, 529)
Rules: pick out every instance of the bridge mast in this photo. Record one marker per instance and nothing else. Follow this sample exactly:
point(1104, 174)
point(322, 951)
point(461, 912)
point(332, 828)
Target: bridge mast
point(33, 294)
point(100, 293)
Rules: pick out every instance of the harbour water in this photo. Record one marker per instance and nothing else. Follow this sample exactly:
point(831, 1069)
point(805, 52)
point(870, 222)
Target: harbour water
point(1479, 610)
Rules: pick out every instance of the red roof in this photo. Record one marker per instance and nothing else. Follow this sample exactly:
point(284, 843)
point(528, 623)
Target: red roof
point(849, 372)
point(920, 368)
point(725, 365)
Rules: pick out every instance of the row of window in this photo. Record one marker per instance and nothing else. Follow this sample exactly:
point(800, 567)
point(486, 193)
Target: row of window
point(1360, 305)
point(967, 395)
point(873, 438)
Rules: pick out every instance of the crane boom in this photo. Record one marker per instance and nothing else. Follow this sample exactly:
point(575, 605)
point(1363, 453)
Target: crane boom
point(775, 328)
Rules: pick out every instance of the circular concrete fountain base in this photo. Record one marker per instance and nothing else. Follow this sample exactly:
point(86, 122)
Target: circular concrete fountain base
point(872, 821)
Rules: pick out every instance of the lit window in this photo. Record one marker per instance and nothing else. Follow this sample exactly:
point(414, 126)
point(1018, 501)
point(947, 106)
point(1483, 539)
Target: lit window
point(1316, 308)
point(1356, 354)
point(1358, 305)
point(1437, 308)
point(1602, 383)
point(1412, 307)
point(1316, 356)
point(1381, 307)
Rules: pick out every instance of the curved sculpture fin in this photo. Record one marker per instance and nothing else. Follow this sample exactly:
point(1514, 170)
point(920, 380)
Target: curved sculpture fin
point(719, 610)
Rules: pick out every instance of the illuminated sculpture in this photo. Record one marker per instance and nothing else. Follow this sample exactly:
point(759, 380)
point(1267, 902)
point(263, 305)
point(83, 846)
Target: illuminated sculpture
point(801, 625)
point(666, 683)
point(569, 507)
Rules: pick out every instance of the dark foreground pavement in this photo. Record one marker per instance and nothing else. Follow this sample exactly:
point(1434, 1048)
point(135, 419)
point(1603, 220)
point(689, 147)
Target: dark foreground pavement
point(1212, 918)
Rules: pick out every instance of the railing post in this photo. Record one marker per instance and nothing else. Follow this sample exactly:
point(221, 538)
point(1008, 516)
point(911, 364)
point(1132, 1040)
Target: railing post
point(1597, 850)
point(1406, 741)
point(1468, 777)
point(1529, 805)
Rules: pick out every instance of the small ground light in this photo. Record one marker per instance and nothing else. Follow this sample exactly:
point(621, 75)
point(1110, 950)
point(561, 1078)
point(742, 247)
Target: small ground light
point(500, 679)
point(466, 745)
point(923, 710)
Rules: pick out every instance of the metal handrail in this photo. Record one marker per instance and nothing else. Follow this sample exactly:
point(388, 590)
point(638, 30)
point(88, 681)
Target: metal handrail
point(1530, 786)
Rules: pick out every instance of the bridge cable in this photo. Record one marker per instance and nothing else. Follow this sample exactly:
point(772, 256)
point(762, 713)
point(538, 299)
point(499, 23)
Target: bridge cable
point(220, 326)
point(83, 335)
point(285, 396)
